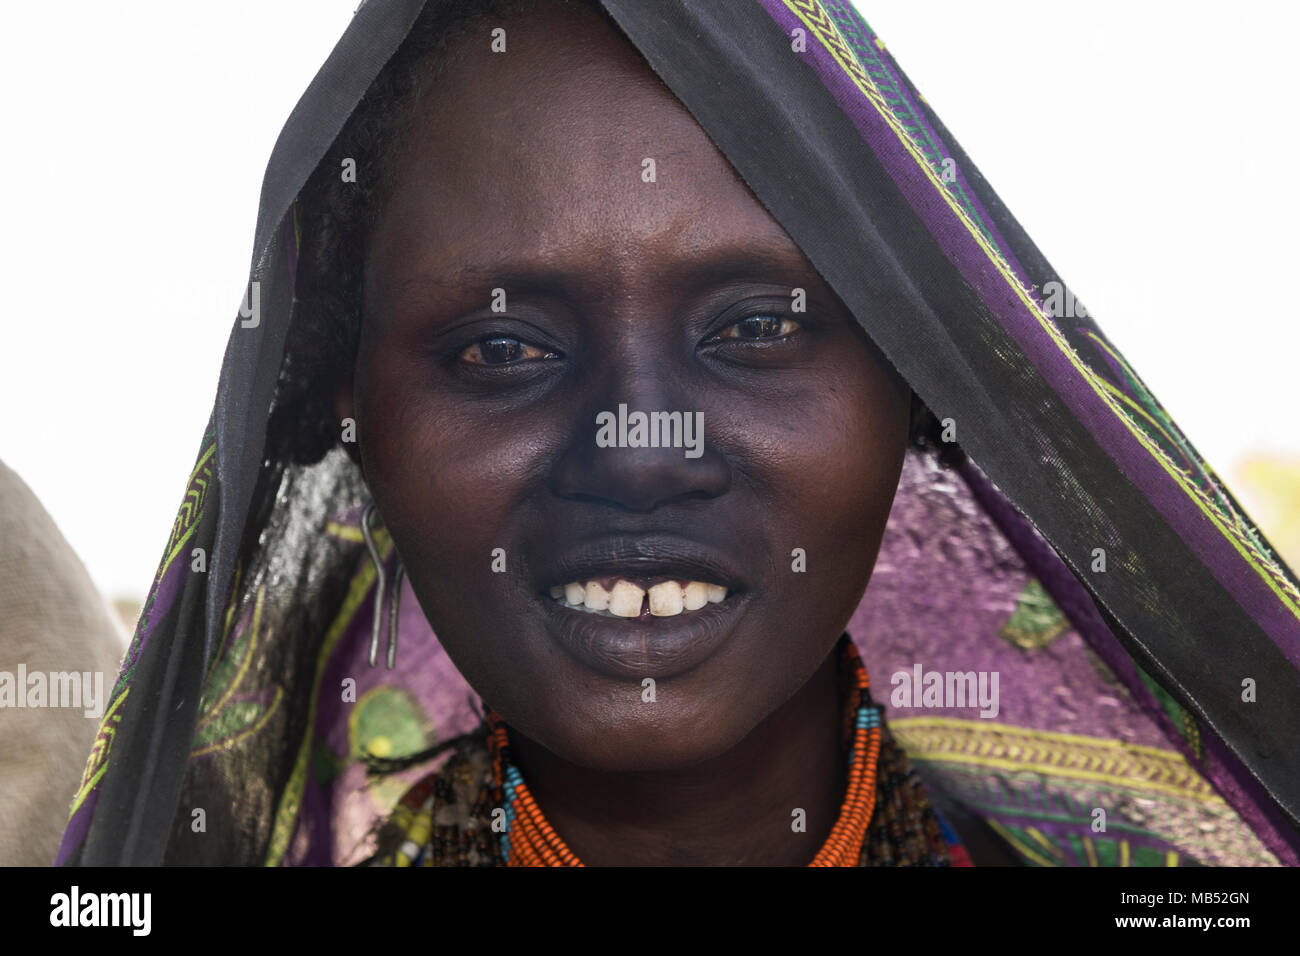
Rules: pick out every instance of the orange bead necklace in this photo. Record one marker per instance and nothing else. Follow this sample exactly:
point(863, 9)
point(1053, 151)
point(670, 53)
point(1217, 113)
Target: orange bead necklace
point(529, 840)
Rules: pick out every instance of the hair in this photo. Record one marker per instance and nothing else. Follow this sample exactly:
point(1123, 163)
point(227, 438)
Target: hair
point(337, 218)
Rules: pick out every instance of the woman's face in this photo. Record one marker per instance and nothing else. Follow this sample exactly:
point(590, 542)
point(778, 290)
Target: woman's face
point(530, 172)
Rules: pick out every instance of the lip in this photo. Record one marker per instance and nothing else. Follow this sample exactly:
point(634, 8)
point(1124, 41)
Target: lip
point(639, 558)
point(636, 648)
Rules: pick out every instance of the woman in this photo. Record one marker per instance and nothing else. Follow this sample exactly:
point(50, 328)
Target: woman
point(541, 220)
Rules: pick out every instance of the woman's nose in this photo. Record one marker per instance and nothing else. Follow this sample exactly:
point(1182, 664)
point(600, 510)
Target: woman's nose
point(641, 443)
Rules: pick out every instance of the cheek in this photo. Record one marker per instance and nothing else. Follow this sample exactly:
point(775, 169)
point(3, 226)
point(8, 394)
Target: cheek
point(829, 462)
point(865, 449)
point(446, 480)
point(829, 481)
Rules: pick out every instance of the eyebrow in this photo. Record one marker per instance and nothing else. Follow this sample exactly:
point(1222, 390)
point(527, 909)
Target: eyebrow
point(746, 262)
point(691, 274)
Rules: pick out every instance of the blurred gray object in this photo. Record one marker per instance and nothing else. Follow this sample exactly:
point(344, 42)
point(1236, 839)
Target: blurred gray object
point(52, 619)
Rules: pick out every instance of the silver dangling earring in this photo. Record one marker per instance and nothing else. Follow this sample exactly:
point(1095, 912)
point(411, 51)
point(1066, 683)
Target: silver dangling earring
point(381, 590)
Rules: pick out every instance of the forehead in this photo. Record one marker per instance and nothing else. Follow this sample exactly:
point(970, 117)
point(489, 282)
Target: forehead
point(565, 145)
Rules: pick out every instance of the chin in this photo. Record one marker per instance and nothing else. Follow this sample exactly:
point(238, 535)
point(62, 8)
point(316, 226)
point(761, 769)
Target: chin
point(686, 725)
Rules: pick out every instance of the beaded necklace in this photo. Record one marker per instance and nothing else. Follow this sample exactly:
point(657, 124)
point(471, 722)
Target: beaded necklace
point(454, 816)
point(530, 840)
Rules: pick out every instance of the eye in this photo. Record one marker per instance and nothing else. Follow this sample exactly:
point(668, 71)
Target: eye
point(759, 327)
point(503, 350)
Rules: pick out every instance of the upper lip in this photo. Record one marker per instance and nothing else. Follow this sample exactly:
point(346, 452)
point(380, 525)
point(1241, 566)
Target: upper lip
point(639, 555)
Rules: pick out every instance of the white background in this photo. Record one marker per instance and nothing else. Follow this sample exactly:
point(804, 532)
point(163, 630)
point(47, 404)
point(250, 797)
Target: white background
point(1147, 147)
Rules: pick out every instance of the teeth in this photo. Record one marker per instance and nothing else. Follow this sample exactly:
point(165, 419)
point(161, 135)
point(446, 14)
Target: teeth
point(666, 599)
point(695, 595)
point(597, 597)
point(625, 599)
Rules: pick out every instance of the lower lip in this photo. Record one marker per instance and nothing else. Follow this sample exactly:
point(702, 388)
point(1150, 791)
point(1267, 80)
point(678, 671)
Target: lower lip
point(639, 647)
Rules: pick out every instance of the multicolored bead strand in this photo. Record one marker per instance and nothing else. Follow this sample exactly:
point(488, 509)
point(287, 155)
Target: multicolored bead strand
point(844, 845)
point(529, 840)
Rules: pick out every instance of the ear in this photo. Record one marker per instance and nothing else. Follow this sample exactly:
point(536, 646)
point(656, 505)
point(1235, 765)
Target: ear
point(344, 408)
